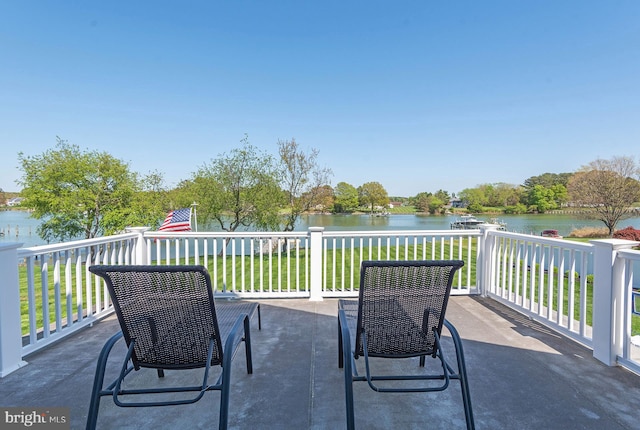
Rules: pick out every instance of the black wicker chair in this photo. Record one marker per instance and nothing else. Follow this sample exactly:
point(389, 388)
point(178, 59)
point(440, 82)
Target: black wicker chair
point(169, 321)
point(399, 314)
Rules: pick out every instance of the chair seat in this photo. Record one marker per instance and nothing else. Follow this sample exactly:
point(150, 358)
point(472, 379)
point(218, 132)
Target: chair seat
point(228, 310)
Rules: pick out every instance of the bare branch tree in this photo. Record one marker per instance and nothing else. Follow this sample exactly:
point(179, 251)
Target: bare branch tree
point(302, 180)
point(608, 187)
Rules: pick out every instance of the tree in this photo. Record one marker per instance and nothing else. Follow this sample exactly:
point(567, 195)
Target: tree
point(608, 187)
point(434, 204)
point(324, 199)
point(149, 205)
point(546, 192)
point(541, 198)
point(78, 193)
point(302, 180)
point(561, 195)
point(421, 201)
point(500, 194)
point(505, 194)
point(443, 195)
point(474, 198)
point(430, 202)
point(516, 209)
point(372, 194)
point(548, 180)
point(346, 197)
point(237, 189)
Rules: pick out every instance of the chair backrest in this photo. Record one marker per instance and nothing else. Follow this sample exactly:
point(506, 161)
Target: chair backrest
point(401, 304)
point(167, 310)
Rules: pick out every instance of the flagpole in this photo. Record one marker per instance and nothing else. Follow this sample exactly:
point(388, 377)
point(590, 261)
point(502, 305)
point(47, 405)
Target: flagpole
point(195, 215)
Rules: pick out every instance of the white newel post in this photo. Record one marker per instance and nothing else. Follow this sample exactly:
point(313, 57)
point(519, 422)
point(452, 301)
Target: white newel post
point(10, 325)
point(315, 248)
point(141, 245)
point(608, 299)
point(484, 265)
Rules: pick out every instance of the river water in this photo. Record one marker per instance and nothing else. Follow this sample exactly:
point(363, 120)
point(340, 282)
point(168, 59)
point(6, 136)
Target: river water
point(18, 226)
point(528, 224)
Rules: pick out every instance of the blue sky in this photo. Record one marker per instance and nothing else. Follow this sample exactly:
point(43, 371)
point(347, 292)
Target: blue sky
point(417, 95)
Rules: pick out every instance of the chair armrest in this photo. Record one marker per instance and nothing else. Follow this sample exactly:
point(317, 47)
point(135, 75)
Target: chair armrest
point(233, 340)
point(345, 339)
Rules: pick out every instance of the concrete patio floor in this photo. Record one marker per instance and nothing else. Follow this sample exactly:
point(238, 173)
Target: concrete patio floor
point(521, 375)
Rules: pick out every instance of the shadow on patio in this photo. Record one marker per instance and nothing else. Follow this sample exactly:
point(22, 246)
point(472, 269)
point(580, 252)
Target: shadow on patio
point(522, 376)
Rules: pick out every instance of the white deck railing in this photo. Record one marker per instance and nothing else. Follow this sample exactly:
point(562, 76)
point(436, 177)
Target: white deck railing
point(49, 293)
point(241, 264)
point(545, 279)
point(60, 289)
point(624, 308)
point(344, 251)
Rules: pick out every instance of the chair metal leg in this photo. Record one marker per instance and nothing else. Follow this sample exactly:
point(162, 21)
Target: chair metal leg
point(259, 318)
point(462, 372)
point(98, 381)
point(348, 394)
point(340, 350)
point(346, 362)
point(247, 344)
point(241, 323)
point(224, 396)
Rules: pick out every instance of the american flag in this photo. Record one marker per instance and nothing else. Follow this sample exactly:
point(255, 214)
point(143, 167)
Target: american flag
point(178, 220)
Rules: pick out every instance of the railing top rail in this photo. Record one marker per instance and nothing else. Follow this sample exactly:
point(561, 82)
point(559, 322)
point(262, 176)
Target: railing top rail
point(41, 249)
point(630, 254)
point(226, 234)
point(387, 233)
point(569, 244)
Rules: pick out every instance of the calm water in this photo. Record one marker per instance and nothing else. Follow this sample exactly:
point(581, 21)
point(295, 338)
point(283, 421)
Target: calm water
point(529, 224)
point(18, 226)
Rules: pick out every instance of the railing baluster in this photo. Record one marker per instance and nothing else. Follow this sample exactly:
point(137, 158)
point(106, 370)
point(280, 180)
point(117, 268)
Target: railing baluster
point(270, 266)
point(279, 268)
point(44, 288)
point(583, 296)
point(532, 276)
point(242, 265)
point(79, 290)
point(68, 291)
point(233, 265)
point(31, 293)
point(572, 289)
point(342, 264)
point(353, 265)
point(252, 247)
point(57, 292)
point(560, 288)
point(287, 259)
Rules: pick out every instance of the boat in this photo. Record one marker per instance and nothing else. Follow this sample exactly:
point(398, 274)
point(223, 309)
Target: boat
point(502, 226)
point(469, 222)
point(550, 233)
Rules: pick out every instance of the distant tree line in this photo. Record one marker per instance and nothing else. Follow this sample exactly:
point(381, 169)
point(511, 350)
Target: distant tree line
point(537, 194)
point(91, 193)
point(607, 189)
